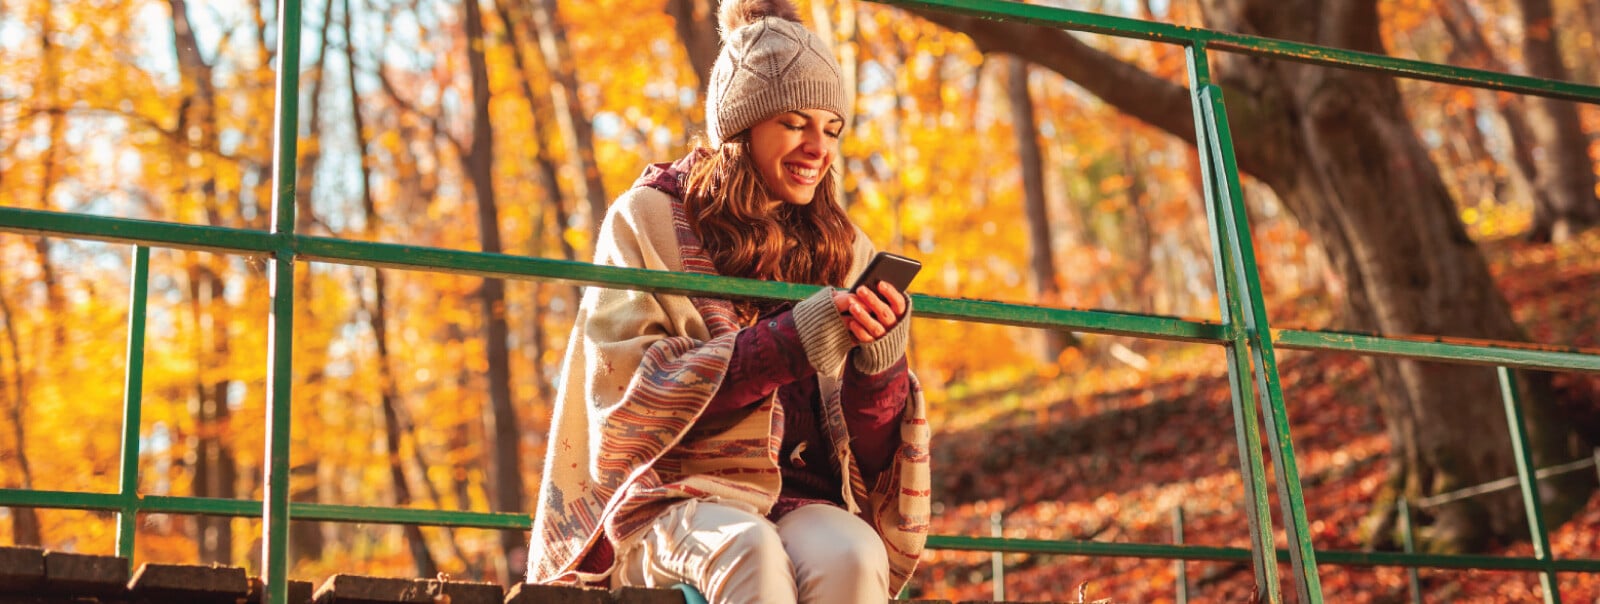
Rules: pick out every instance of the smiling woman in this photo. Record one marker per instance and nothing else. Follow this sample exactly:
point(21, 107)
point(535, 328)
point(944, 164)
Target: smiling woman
point(757, 450)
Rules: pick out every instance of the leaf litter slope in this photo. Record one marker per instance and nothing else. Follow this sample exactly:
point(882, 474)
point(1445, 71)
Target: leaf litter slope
point(1112, 465)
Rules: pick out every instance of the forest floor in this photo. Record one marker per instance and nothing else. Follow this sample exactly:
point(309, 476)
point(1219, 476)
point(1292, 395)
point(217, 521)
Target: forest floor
point(1111, 462)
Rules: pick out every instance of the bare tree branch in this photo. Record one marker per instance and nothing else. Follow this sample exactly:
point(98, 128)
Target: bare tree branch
point(1154, 100)
point(409, 108)
point(1151, 99)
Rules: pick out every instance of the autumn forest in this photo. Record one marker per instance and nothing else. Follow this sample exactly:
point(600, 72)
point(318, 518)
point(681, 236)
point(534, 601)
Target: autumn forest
point(1018, 163)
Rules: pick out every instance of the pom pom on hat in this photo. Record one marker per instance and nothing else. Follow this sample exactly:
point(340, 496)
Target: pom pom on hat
point(738, 13)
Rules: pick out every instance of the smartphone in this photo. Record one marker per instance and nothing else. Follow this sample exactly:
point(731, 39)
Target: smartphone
point(897, 270)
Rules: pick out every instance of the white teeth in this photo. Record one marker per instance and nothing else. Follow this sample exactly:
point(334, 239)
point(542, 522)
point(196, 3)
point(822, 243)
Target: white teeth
point(803, 172)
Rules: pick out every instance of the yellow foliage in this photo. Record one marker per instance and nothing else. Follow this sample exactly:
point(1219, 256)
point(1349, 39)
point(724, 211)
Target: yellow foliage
point(931, 170)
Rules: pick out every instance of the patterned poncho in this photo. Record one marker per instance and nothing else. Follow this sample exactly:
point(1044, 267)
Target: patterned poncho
point(640, 368)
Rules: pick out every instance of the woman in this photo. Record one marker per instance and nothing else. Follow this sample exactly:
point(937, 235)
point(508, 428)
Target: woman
point(759, 451)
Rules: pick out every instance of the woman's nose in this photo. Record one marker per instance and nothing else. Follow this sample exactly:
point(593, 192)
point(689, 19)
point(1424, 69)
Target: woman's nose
point(816, 143)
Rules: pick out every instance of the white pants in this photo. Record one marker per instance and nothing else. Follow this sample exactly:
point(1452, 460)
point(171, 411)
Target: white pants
point(816, 554)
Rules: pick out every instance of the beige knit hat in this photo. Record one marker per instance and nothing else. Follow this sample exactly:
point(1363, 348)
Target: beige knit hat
point(769, 64)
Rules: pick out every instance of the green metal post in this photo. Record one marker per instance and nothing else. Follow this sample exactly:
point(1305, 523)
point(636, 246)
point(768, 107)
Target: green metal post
point(1246, 428)
point(1179, 567)
point(132, 403)
point(1302, 553)
point(997, 560)
point(275, 507)
point(1408, 539)
point(1528, 481)
point(280, 330)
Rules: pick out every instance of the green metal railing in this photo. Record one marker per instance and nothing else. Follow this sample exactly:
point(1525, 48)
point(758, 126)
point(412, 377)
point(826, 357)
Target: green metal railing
point(1244, 332)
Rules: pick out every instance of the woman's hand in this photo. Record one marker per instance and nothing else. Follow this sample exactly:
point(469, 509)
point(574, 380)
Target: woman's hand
point(866, 315)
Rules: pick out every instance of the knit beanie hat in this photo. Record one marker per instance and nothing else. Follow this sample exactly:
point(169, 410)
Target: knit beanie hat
point(769, 64)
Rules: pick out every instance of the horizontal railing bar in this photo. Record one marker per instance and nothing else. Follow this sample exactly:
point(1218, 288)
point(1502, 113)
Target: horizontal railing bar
point(1238, 554)
point(151, 233)
point(1502, 483)
point(506, 266)
point(1300, 52)
point(1070, 319)
point(1451, 561)
point(1087, 548)
point(61, 500)
point(366, 253)
point(1455, 350)
point(501, 265)
point(349, 513)
point(210, 506)
point(499, 520)
point(390, 255)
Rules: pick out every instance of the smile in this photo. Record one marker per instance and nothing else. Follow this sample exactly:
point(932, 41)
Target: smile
point(802, 172)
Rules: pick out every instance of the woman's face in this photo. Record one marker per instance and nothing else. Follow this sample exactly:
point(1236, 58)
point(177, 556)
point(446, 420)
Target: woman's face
point(793, 150)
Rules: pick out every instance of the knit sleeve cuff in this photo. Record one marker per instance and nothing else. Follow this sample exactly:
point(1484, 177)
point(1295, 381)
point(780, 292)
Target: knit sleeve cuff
point(822, 332)
point(882, 353)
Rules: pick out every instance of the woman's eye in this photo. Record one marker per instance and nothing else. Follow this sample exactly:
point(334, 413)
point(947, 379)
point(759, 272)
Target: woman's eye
point(794, 127)
point(836, 134)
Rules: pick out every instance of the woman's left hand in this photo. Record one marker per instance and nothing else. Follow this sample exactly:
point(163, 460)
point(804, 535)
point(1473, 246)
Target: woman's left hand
point(866, 315)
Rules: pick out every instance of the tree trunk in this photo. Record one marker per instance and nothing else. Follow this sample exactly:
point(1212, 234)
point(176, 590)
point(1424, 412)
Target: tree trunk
point(25, 529)
point(306, 541)
point(576, 132)
point(478, 163)
point(847, 36)
point(1041, 253)
point(25, 521)
point(396, 424)
point(549, 180)
point(1565, 173)
point(1550, 151)
point(311, 144)
point(213, 463)
point(543, 115)
point(1591, 16)
point(1340, 152)
point(1470, 48)
point(389, 399)
point(215, 470)
point(695, 21)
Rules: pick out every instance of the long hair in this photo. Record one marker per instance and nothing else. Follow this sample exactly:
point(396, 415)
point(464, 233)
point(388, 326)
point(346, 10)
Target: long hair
point(750, 234)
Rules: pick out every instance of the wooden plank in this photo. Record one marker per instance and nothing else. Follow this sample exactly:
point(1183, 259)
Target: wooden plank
point(643, 595)
point(465, 592)
point(85, 575)
point(357, 589)
point(21, 568)
point(299, 591)
point(184, 583)
point(525, 593)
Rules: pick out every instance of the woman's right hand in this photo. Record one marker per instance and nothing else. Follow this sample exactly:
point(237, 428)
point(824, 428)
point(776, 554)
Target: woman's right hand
point(866, 315)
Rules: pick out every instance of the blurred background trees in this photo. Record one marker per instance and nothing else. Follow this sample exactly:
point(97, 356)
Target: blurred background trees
point(1020, 164)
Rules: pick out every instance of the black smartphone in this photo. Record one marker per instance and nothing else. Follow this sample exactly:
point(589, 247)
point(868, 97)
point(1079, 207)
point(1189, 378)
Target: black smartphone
point(897, 270)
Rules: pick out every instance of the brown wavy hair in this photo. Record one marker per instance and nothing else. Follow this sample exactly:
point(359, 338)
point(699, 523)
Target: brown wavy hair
point(750, 234)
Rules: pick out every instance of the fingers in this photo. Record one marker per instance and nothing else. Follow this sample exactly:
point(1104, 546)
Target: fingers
point(881, 310)
point(865, 310)
point(868, 318)
point(897, 300)
point(859, 318)
point(858, 330)
point(868, 315)
point(843, 301)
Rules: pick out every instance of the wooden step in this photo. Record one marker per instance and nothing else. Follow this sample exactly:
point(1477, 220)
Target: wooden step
point(35, 576)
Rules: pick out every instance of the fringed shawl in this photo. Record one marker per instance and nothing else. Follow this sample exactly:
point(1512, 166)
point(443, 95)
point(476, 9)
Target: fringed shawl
point(640, 368)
